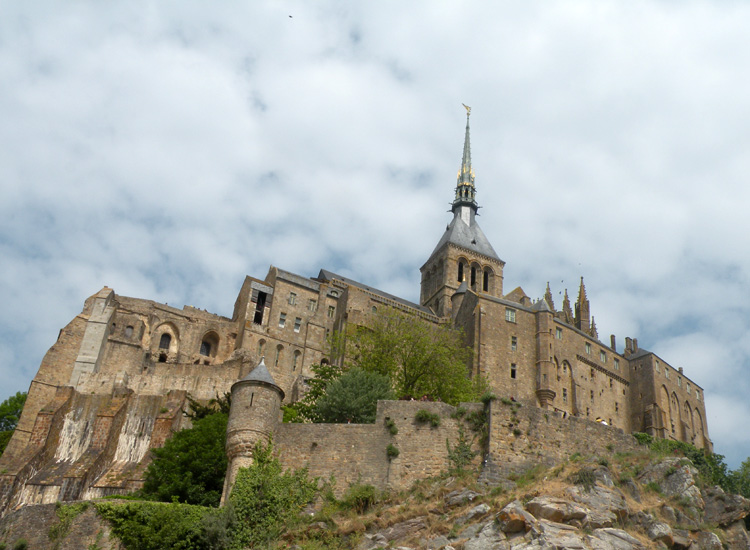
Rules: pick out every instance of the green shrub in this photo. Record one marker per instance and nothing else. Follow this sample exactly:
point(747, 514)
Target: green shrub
point(459, 413)
point(462, 454)
point(267, 500)
point(603, 462)
point(391, 425)
point(487, 398)
point(653, 487)
point(391, 451)
point(21, 544)
point(353, 397)
point(360, 497)
point(66, 513)
point(585, 478)
point(424, 416)
point(516, 432)
point(643, 438)
point(506, 401)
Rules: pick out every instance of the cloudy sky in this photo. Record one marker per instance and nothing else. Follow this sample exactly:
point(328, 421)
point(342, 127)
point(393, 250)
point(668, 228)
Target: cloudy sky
point(167, 149)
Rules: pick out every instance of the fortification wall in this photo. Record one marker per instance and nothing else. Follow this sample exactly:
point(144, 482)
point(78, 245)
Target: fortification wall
point(522, 437)
point(357, 452)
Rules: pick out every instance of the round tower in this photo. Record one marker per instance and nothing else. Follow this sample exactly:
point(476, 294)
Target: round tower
point(254, 415)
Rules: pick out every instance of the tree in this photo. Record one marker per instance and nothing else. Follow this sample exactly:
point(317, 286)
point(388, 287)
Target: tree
point(420, 358)
point(304, 410)
point(353, 397)
point(265, 499)
point(10, 413)
point(191, 465)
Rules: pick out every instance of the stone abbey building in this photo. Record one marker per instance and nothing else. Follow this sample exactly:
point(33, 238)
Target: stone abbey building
point(115, 382)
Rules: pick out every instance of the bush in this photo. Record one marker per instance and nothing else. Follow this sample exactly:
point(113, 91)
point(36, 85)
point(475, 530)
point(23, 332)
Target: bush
point(353, 397)
point(191, 466)
point(391, 451)
point(266, 500)
point(584, 477)
point(21, 544)
point(462, 454)
point(424, 416)
point(642, 438)
point(391, 425)
point(360, 497)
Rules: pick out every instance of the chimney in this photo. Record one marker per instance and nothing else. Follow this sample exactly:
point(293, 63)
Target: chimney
point(612, 343)
point(635, 344)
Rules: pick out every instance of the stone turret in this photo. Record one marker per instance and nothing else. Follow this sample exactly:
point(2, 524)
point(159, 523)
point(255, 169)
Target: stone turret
point(545, 367)
point(253, 416)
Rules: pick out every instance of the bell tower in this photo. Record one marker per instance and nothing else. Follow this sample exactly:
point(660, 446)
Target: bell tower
point(463, 253)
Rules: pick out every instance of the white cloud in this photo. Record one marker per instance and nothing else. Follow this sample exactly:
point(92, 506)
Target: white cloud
point(168, 150)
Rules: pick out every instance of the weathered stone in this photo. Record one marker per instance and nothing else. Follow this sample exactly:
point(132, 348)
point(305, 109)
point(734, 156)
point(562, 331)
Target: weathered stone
point(631, 487)
point(707, 541)
point(601, 499)
point(604, 476)
point(489, 538)
point(669, 514)
point(470, 531)
point(477, 511)
point(460, 497)
point(660, 532)
point(404, 529)
point(558, 535)
point(675, 478)
point(614, 539)
point(437, 543)
point(555, 509)
point(681, 539)
point(513, 518)
point(737, 537)
point(598, 519)
point(723, 509)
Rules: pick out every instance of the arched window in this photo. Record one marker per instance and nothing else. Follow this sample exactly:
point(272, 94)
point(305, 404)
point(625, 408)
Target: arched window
point(486, 281)
point(460, 271)
point(165, 341)
point(278, 355)
point(206, 348)
point(128, 331)
point(209, 344)
point(473, 276)
point(261, 348)
point(295, 359)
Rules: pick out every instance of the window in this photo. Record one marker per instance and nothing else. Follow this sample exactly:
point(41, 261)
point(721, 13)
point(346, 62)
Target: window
point(260, 304)
point(687, 387)
point(513, 370)
point(312, 305)
point(206, 348)
point(679, 382)
point(331, 311)
point(297, 324)
point(592, 374)
point(128, 331)
point(602, 357)
point(513, 343)
point(292, 298)
point(165, 341)
point(486, 282)
point(588, 348)
point(565, 368)
point(698, 395)
point(565, 395)
point(335, 293)
point(666, 372)
point(473, 276)
point(617, 407)
point(510, 315)
point(617, 364)
point(558, 333)
point(460, 272)
point(295, 359)
point(656, 367)
point(278, 355)
point(282, 320)
point(592, 395)
point(375, 308)
point(261, 347)
point(610, 383)
point(588, 411)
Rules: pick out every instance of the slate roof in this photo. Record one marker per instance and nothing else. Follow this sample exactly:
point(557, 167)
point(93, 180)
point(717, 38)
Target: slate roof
point(467, 236)
point(260, 374)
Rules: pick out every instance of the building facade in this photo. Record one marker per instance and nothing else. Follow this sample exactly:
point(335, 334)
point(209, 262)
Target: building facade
point(115, 382)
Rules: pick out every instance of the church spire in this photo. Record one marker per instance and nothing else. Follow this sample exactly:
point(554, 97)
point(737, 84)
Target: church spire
point(465, 189)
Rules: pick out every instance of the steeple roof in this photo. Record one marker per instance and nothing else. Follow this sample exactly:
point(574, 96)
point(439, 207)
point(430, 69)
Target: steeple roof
point(463, 230)
point(260, 374)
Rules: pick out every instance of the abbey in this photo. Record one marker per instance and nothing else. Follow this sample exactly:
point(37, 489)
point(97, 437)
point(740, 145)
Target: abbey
point(115, 383)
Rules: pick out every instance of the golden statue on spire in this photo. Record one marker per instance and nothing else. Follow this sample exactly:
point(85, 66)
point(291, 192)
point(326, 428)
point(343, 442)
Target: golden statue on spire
point(468, 109)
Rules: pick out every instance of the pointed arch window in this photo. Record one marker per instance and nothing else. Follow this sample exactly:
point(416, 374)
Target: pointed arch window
point(486, 281)
point(165, 341)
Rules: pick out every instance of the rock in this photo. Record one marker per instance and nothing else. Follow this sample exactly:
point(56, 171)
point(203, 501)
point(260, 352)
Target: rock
point(708, 541)
point(614, 539)
point(631, 487)
point(549, 534)
point(403, 529)
point(477, 511)
point(514, 519)
point(437, 543)
point(669, 514)
point(470, 531)
point(737, 537)
point(723, 509)
point(460, 497)
point(371, 542)
point(681, 539)
point(596, 519)
point(660, 532)
point(555, 509)
point(601, 499)
point(489, 538)
point(604, 476)
point(675, 478)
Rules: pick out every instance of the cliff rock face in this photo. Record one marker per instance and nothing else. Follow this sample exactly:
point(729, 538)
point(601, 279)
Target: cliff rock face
point(576, 506)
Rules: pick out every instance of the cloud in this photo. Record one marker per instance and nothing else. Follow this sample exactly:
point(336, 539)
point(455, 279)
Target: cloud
point(169, 150)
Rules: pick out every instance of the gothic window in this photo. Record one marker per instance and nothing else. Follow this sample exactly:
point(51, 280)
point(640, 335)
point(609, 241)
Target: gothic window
point(679, 382)
point(278, 355)
point(206, 348)
point(592, 395)
point(295, 359)
point(165, 341)
point(510, 315)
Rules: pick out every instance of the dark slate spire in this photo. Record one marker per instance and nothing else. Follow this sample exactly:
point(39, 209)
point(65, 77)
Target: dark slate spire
point(548, 297)
point(465, 190)
point(583, 314)
point(567, 311)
